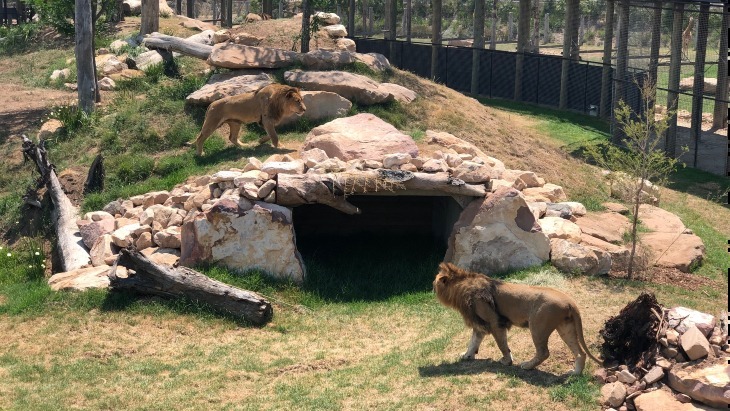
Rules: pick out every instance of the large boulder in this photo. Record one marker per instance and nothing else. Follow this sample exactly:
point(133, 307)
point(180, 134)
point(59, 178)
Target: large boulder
point(402, 94)
point(336, 30)
point(684, 252)
point(243, 235)
point(375, 61)
point(607, 226)
point(707, 382)
point(229, 84)
point(132, 7)
point(321, 59)
point(556, 227)
point(619, 254)
point(238, 56)
point(613, 394)
point(661, 400)
point(362, 136)
point(694, 344)
point(497, 234)
point(326, 18)
point(681, 319)
point(146, 60)
point(321, 105)
point(549, 193)
point(575, 258)
point(659, 220)
point(354, 87)
point(80, 279)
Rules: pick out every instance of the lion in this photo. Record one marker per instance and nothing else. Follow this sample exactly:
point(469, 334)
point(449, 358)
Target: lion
point(267, 106)
point(491, 306)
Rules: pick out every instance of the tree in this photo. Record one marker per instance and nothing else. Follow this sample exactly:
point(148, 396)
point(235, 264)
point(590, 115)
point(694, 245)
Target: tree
point(150, 17)
point(85, 70)
point(640, 157)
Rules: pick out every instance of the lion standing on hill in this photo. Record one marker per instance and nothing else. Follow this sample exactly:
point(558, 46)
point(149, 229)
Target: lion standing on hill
point(267, 106)
point(491, 307)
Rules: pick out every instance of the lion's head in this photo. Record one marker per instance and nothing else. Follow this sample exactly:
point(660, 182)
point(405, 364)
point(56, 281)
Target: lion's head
point(284, 101)
point(457, 288)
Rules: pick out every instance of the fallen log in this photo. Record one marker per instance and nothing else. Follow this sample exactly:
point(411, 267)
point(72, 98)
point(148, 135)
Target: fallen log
point(147, 277)
point(72, 253)
point(332, 189)
point(187, 47)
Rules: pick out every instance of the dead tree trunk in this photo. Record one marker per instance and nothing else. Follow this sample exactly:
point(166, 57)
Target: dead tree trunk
point(85, 55)
point(189, 48)
point(73, 255)
point(150, 17)
point(175, 282)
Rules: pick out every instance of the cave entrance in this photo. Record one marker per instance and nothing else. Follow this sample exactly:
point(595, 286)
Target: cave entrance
point(392, 247)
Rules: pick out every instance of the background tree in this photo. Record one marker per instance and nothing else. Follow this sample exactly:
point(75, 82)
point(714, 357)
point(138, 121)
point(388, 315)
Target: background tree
point(640, 157)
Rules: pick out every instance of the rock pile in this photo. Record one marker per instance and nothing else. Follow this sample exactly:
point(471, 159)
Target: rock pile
point(690, 367)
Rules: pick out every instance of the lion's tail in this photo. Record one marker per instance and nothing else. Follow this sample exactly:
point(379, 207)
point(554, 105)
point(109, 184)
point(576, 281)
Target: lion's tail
point(579, 331)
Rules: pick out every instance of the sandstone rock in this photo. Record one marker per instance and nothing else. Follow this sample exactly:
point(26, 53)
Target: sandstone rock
point(401, 94)
point(229, 84)
point(682, 251)
point(673, 335)
point(169, 238)
point(331, 165)
point(472, 173)
point(146, 60)
point(345, 44)
point(709, 84)
point(607, 226)
point(102, 250)
point(127, 74)
point(321, 105)
point(60, 74)
point(655, 374)
point(224, 175)
point(497, 234)
point(49, 129)
point(396, 159)
point(253, 164)
point(336, 30)
point(447, 140)
point(573, 258)
point(556, 227)
point(166, 256)
point(80, 279)
point(144, 241)
point(326, 18)
point(313, 156)
point(659, 220)
point(660, 400)
point(434, 166)
point(266, 189)
point(707, 382)
point(165, 11)
point(98, 216)
point(283, 167)
point(122, 237)
point(157, 213)
point(619, 254)
point(600, 375)
point(376, 62)
point(694, 343)
point(354, 87)
point(155, 197)
point(196, 24)
point(107, 84)
point(246, 39)
point(362, 136)
point(616, 208)
point(237, 56)
point(626, 377)
point(549, 193)
point(613, 394)
point(538, 208)
point(92, 231)
point(117, 45)
point(261, 237)
point(321, 59)
point(121, 222)
point(204, 37)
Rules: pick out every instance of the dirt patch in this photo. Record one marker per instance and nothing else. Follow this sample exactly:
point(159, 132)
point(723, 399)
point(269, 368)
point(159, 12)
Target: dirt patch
point(671, 276)
point(321, 365)
point(72, 180)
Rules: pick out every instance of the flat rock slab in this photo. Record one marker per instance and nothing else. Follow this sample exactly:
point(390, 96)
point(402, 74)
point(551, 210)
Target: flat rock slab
point(556, 227)
point(238, 56)
point(402, 94)
point(362, 136)
point(229, 84)
point(354, 87)
point(660, 400)
point(321, 105)
point(682, 318)
point(573, 258)
point(321, 59)
point(659, 220)
point(497, 234)
point(375, 61)
point(81, 279)
point(196, 24)
point(619, 254)
point(707, 382)
point(681, 251)
point(607, 226)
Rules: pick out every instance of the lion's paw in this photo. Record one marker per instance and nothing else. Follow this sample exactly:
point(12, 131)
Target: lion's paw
point(526, 365)
point(466, 356)
point(506, 361)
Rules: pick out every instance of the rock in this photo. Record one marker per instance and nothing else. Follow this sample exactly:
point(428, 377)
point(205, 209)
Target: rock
point(626, 377)
point(321, 59)
point(326, 18)
point(196, 24)
point(600, 375)
point(332, 165)
point(447, 140)
point(550, 193)
point(573, 258)
point(664, 363)
point(165, 11)
point(225, 175)
point(707, 382)
point(344, 44)
point(107, 84)
point(613, 394)
point(98, 216)
point(354, 87)
point(166, 256)
point(556, 227)
point(669, 352)
point(238, 56)
point(103, 249)
point(262, 237)
point(607, 226)
point(92, 231)
point(376, 62)
point(204, 37)
point(112, 66)
point(169, 238)
point(253, 164)
point(683, 398)
point(396, 159)
point(147, 60)
point(434, 166)
point(313, 156)
point(619, 254)
point(121, 222)
point(321, 105)
point(684, 252)
point(253, 17)
point(283, 167)
point(362, 136)
point(60, 74)
point(144, 241)
point(565, 209)
point(122, 237)
point(246, 39)
point(472, 173)
point(49, 129)
point(402, 94)
point(655, 374)
point(336, 30)
point(118, 45)
point(656, 219)
point(229, 84)
point(660, 400)
point(255, 177)
point(623, 187)
point(616, 208)
point(266, 189)
point(682, 319)
point(673, 335)
point(155, 197)
point(694, 343)
point(497, 234)
point(80, 279)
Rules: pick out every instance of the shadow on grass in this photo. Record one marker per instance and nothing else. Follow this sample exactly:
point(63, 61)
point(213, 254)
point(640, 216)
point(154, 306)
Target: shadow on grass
point(533, 377)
